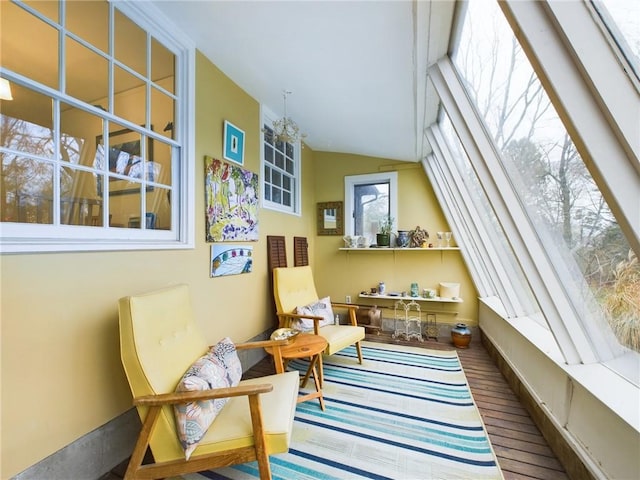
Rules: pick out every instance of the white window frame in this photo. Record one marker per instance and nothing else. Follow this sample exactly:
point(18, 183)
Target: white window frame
point(351, 181)
point(484, 259)
point(24, 238)
point(267, 117)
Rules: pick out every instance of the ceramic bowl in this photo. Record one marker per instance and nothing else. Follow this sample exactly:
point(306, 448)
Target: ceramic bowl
point(284, 334)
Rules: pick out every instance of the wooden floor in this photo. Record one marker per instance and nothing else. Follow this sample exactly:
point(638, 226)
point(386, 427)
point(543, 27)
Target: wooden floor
point(522, 451)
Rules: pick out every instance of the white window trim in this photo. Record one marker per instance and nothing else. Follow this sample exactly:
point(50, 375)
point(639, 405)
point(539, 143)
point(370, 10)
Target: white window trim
point(350, 181)
point(268, 117)
point(476, 241)
point(27, 238)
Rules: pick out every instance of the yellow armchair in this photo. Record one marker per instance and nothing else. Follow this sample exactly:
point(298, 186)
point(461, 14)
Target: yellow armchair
point(294, 287)
point(159, 341)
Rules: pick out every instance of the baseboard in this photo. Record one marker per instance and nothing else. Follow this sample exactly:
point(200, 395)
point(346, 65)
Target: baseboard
point(571, 461)
point(93, 455)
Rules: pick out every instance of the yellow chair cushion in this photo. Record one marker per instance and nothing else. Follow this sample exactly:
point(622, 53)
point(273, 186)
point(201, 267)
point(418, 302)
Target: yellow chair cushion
point(232, 427)
point(341, 336)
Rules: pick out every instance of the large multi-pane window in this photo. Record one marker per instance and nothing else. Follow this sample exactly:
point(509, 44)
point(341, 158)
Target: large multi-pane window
point(91, 136)
point(281, 169)
point(599, 270)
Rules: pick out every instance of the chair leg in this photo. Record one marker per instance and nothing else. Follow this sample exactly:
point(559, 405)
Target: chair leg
point(143, 442)
point(359, 349)
point(258, 437)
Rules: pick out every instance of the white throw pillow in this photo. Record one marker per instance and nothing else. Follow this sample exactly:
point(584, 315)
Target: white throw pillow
point(321, 308)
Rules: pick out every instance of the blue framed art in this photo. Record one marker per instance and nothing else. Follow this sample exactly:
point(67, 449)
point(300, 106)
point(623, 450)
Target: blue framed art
point(233, 143)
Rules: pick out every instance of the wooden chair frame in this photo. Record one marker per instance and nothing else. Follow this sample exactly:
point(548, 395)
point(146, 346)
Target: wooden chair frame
point(136, 470)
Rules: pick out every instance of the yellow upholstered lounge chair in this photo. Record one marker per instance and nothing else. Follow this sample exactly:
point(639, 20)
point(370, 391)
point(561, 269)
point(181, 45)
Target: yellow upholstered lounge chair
point(294, 287)
point(159, 341)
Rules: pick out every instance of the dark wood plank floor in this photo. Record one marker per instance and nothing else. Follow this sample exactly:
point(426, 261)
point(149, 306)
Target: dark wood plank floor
point(522, 451)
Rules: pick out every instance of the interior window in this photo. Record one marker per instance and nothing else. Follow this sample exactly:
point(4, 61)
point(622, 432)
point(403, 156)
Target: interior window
point(100, 150)
point(369, 200)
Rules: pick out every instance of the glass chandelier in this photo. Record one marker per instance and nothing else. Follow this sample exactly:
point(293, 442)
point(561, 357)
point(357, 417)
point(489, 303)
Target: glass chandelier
point(285, 129)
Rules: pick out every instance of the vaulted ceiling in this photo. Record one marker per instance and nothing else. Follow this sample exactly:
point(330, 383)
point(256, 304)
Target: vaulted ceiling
point(356, 69)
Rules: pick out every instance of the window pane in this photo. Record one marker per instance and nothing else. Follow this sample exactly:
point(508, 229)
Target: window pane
point(129, 97)
point(561, 198)
point(276, 195)
point(27, 190)
point(78, 202)
point(90, 21)
point(79, 132)
point(159, 204)
point(279, 160)
point(371, 202)
point(162, 159)
point(163, 66)
point(277, 178)
point(87, 73)
point(268, 154)
point(19, 29)
point(26, 123)
point(124, 209)
point(162, 112)
point(130, 43)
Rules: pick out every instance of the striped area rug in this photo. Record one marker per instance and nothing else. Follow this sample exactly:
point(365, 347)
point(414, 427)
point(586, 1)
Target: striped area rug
point(405, 413)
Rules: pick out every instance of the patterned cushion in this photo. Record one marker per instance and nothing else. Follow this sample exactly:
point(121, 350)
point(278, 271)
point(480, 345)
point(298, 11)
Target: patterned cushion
point(226, 353)
point(321, 308)
point(209, 371)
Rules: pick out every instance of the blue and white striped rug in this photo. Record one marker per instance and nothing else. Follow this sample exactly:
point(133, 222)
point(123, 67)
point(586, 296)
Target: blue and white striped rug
point(405, 413)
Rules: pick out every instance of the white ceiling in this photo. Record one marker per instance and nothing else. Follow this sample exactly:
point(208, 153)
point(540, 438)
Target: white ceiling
point(356, 69)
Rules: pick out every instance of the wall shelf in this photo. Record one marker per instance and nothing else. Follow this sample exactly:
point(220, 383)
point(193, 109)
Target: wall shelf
point(417, 299)
point(396, 249)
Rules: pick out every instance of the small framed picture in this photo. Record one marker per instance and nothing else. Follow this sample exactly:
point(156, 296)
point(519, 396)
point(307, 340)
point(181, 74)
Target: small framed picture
point(233, 143)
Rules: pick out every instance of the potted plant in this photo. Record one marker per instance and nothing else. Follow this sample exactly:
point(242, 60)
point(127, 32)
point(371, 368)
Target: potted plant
point(383, 237)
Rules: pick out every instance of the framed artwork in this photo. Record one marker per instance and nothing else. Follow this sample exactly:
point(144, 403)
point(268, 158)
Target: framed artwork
point(233, 143)
point(329, 218)
point(231, 260)
point(231, 201)
point(125, 158)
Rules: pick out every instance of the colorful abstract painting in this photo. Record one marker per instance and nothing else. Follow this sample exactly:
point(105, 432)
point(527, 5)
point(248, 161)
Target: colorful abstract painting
point(230, 259)
point(231, 202)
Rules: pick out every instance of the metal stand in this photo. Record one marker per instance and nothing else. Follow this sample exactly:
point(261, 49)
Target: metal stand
point(408, 323)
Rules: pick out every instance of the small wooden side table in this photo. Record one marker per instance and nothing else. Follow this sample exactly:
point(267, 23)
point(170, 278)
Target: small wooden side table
point(304, 345)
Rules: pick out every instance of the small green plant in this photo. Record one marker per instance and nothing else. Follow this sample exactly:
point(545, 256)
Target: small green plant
point(386, 225)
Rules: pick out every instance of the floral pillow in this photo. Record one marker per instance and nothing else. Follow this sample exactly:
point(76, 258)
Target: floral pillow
point(321, 308)
point(218, 368)
point(226, 353)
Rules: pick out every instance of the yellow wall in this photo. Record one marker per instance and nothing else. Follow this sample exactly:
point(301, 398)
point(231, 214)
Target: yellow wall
point(61, 373)
point(341, 273)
